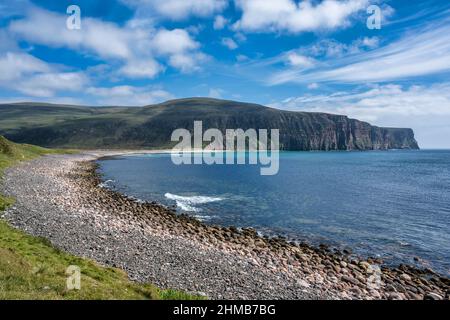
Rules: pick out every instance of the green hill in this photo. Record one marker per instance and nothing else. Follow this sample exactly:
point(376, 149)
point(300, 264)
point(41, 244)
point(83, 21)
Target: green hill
point(151, 126)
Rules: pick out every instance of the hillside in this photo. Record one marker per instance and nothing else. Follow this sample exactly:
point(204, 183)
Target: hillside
point(151, 126)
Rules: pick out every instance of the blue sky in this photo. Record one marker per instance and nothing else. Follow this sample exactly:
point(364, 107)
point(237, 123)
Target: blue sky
point(294, 55)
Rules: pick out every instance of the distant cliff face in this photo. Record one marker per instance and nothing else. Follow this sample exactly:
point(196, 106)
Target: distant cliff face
point(152, 126)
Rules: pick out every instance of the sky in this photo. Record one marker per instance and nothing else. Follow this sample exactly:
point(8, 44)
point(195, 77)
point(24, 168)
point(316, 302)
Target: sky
point(298, 55)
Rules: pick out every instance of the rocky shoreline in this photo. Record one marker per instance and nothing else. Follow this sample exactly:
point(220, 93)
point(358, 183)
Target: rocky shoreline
point(61, 199)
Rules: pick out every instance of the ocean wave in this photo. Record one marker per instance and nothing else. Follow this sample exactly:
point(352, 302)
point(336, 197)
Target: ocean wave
point(189, 203)
point(107, 184)
point(203, 218)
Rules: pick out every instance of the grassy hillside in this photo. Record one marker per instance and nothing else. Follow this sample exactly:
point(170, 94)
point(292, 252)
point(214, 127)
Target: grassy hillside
point(151, 126)
point(31, 268)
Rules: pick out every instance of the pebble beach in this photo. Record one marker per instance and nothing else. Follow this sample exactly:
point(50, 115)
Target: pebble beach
point(61, 198)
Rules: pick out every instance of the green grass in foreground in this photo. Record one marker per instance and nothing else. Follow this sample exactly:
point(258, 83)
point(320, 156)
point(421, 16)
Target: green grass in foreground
point(31, 268)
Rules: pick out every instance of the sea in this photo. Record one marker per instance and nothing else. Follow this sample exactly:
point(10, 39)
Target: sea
point(393, 205)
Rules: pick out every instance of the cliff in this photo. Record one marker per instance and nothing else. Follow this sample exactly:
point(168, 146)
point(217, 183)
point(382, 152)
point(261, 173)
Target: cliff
point(152, 126)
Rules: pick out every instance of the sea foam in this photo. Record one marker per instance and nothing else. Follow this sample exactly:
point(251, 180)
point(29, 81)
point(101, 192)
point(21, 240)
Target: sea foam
point(188, 203)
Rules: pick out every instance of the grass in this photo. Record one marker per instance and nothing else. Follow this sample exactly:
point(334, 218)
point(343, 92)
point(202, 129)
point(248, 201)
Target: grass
point(31, 268)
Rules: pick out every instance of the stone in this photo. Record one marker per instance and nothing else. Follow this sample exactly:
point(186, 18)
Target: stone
point(414, 296)
point(356, 291)
point(350, 279)
point(405, 277)
point(303, 283)
point(395, 296)
point(433, 296)
point(390, 288)
point(365, 265)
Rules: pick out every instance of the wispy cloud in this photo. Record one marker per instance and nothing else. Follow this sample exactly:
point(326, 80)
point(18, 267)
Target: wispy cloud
point(378, 101)
point(229, 43)
point(26, 74)
point(15, 65)
point(424, 108)
point(220, 22)
point(299, 61)
point(177, 9)
point(216, 93)
point(128, 95)
point(141, 48)
point(295, 17)
point(47, 84)
point(421, 52)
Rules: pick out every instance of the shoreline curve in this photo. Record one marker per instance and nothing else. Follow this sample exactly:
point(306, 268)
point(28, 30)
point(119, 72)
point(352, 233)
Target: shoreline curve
point(155, 244)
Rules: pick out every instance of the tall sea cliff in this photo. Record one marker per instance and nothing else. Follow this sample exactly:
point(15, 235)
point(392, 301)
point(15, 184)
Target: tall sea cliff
point(151, 126)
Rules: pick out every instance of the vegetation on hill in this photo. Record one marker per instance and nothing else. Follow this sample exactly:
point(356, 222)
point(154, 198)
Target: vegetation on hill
point(151, 126)
point(31, 268)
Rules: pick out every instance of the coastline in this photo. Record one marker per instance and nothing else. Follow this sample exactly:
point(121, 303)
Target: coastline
point(152, 243)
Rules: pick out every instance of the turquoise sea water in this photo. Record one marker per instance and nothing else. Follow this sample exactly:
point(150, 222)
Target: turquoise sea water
point(394, 204)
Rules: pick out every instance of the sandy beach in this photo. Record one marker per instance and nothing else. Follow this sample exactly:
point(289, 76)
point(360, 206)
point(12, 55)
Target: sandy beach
point(60, 197)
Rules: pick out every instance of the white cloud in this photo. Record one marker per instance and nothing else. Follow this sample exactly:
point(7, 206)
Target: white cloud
point(294, 17)
point(180, 48)
point(219, 22)
point(10, 9)
point(242, 58)
point(296, 65)
point(128, 95)
point(47, 84)
point(313, 86)
point(379, 101)
point(216, 93)
point(24, 73)
point(105, 40)
point(29, 75)
point(6, 42)
point(329, 48)
point(195, 29)
point(424, 108)
point(173, 41)
point(137, 44)
point(239, 36)
point(371, 42)
point(229, 43)
point(15, 65)
point(188, 62)
point(141, 69)
point(419, 53)
point(45, 27)
point(178, 9)
point(299, 61)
